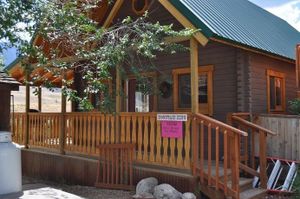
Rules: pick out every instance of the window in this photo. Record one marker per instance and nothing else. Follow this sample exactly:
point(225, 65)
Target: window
point(276, 91)
point(137, 99)
point(140, 6)
point(182, 89)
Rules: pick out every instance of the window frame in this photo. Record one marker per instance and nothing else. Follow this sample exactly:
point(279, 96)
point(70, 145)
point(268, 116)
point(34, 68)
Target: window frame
point(276, 75)
point(206, 108)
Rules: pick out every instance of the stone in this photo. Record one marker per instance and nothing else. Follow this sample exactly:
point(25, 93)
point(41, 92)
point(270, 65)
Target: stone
point(166, 191)
point(146, 186)
point(189, 195)
point(143, 196)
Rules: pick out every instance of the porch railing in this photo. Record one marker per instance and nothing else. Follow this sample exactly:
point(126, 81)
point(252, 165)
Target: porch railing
point(85, 131)
point(18, 125)
point(216, 155)
point(253, 146)
point(144, 130)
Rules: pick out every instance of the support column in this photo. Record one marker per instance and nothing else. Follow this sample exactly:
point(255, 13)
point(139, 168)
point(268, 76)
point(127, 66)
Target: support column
point(155, 93)
point(27, 107)
point(62, 117)
point(40, 99)
point(194, 75)
point(118, 103)
point(194, 98)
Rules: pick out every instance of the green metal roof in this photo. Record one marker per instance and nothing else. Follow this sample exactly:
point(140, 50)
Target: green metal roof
point(241, 22)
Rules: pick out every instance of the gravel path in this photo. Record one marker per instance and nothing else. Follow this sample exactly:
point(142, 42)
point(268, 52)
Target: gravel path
point(83, 191)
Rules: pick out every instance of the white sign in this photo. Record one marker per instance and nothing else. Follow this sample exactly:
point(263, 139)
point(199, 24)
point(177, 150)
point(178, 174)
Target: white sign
point(172, 117)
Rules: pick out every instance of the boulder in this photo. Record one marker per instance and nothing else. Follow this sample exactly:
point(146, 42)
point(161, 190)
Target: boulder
point(146, 186)
point(188, 195)
point(143, 196)
point(166, 191)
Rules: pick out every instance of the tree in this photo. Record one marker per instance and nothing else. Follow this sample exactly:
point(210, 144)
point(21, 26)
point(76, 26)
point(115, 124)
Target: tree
point(67, 26)
point(1, 63)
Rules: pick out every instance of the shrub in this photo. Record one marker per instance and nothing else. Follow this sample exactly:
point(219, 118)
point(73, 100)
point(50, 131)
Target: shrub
point(294, 106)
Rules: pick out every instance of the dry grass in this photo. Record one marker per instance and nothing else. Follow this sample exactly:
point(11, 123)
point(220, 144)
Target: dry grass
point(51, 101)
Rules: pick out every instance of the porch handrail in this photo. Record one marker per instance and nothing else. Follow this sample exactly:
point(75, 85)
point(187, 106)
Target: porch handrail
point(240, 121)
point(221, 124)
point(254, 126)
point(222, 174)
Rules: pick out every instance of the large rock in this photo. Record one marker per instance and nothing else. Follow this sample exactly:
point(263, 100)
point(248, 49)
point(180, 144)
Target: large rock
point(166, 191)
point(143, 196)
point(146, 186)
point(189, 195)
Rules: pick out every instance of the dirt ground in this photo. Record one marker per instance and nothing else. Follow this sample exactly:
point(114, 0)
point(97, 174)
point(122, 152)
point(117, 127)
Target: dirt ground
point(82, 191)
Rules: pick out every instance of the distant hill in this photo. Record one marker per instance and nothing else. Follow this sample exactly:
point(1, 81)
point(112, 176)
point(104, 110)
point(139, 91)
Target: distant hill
point(51, 101)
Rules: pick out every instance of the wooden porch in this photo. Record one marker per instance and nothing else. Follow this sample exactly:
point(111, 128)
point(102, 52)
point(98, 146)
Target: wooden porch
point(217, 153)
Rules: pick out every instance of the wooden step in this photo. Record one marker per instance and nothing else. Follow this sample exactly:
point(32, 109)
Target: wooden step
point(244, 183)
point(253, 193)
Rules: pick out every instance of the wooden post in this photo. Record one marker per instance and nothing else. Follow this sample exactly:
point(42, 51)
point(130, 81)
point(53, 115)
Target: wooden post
point(194, 75)
point(195, 145)
point(234, 161)
point(194, 98)
point(118, 102)
point(27, 107)
point(263, 159)
point(62, 117)
point(155, 97)
point(40, 99)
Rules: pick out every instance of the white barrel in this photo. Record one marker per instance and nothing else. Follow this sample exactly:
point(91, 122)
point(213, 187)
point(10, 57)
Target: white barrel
point(10, 165)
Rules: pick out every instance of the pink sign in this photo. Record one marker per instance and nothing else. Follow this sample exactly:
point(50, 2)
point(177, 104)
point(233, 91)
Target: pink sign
point(171, 129)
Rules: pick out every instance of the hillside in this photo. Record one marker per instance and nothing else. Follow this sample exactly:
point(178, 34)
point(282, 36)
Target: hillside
point(51, 101)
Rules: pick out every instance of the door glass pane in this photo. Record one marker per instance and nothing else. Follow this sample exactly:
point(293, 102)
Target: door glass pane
point(278, 86)
point(142, 103)
point(203, 95)
point(184, 91)
point(272, 93)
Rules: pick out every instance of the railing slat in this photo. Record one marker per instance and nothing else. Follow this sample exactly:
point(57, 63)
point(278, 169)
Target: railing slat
point(158, 142)
point(187, 143)
point(146, 139)
point(128, 129)
point(152, 138)
point(140, 137)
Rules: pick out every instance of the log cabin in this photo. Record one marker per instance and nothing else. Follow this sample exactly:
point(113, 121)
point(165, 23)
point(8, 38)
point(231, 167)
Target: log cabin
point(242, 61)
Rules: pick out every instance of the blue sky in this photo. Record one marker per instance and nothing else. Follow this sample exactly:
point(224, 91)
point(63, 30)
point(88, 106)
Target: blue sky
point(270, 3)
point(288, 10)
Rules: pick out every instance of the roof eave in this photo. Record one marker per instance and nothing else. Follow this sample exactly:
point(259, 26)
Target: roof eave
point(243, 46)
point(13, 64)
point(192, 18)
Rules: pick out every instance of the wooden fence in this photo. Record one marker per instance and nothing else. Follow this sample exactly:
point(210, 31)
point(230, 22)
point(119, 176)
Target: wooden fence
point(286, 144)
